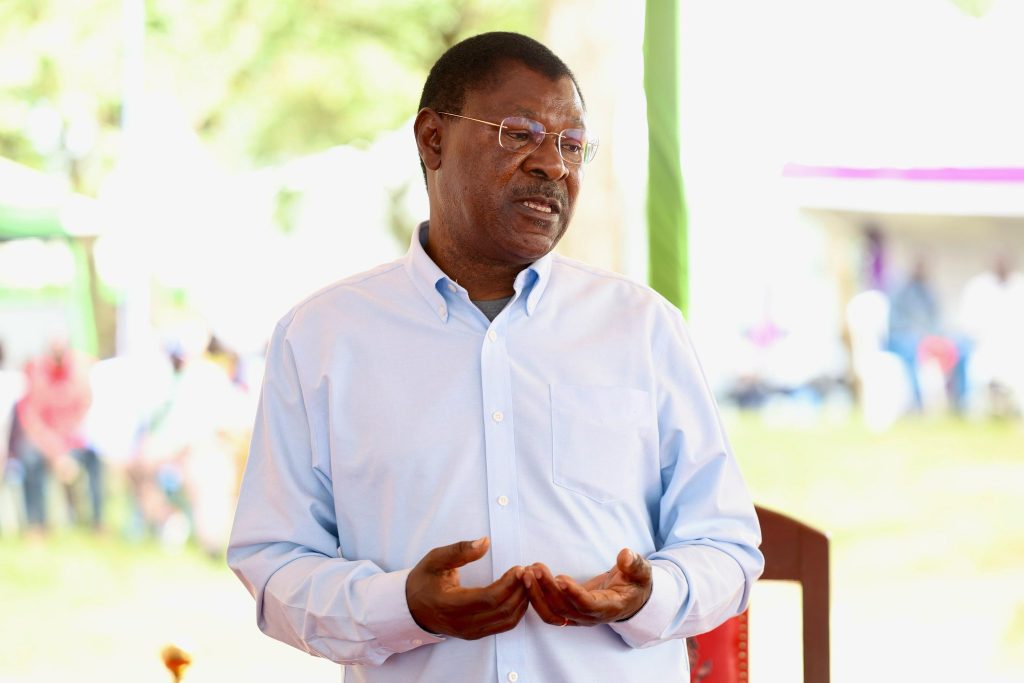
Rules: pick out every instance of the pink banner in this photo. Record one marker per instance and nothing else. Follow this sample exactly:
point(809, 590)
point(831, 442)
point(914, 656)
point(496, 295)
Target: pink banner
point(994, 174)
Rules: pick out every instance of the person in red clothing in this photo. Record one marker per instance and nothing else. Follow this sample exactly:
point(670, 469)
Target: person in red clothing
point(51, 418)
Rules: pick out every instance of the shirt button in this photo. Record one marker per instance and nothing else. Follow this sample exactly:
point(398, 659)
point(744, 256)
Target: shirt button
point(492, 335)
point(417, 641)
point(497, 416)
point(513, 676)
point(452, 287)
point(442, 310)
point(502, 501)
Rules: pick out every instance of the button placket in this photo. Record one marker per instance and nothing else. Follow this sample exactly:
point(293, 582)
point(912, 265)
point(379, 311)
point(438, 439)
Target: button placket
point(502, 479)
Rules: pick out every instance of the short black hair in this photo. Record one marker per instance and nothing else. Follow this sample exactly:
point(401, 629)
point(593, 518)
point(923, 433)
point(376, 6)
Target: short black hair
point(474, 62)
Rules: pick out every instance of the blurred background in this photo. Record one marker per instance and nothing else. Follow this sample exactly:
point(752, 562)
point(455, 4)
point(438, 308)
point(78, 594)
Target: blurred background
point(175, 175)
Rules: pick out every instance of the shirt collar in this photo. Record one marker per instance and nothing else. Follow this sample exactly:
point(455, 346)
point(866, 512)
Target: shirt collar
point(429, 279)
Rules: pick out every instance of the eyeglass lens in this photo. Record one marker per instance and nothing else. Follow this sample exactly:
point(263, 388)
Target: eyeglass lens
point(517, 133)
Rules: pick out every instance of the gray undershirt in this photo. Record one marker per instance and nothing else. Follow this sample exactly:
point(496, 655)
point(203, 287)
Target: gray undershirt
point(493, 307)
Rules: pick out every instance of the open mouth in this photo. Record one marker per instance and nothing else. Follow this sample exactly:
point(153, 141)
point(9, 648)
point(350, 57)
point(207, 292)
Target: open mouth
point(541, 205)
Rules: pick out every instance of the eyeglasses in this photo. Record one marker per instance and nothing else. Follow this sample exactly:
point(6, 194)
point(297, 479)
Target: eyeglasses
point(520, 134)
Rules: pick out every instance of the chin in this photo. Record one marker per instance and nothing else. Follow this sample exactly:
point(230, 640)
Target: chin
point(536, 248)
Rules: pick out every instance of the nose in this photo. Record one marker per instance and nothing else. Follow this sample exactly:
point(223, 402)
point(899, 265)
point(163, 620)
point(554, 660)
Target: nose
point(546, 161)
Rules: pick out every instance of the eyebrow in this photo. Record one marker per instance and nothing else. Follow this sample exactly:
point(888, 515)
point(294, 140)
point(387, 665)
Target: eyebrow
point(523, 111)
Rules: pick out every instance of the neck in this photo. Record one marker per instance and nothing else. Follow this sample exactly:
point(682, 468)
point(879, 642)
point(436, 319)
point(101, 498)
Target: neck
point(484, 281)
point(483, 278)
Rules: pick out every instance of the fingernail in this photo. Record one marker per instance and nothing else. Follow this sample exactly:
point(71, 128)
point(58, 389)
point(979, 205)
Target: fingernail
point(537, 572)
point(560, 584)
point(479, 542)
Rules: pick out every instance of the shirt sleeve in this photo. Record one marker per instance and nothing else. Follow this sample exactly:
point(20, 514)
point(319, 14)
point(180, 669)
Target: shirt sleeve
point(284, 542)
point(707, 555)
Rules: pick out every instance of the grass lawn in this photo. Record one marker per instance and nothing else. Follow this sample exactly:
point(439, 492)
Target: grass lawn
point(83, 608)
point(927, 530)
point(927, 525)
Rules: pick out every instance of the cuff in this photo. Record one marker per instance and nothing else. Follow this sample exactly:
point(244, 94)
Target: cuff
point(645, 628)
point(388, 616)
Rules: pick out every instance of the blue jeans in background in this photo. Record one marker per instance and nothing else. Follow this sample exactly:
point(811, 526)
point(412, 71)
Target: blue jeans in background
point(35, 471)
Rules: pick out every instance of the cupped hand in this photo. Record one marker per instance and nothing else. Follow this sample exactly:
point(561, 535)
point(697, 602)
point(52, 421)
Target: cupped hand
point(615, 595)
point(441, 605)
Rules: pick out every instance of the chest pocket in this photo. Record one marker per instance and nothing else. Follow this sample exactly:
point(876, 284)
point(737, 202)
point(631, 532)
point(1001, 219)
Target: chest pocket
point(598, 436)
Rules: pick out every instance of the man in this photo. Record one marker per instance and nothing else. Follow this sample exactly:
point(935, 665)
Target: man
point(484, 388)
point(990, 309)
point(917, 337)
point(51, 433)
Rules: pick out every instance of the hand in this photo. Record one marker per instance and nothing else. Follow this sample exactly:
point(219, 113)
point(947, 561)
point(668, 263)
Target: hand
point(616, 595)
point(440, 605)
point(66, 468)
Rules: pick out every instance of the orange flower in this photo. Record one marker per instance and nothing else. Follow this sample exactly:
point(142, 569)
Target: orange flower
point(176, 660)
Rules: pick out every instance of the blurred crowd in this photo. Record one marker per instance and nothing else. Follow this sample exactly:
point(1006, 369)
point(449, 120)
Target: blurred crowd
point(160, 437)
point(909, 355)
point(901, 345)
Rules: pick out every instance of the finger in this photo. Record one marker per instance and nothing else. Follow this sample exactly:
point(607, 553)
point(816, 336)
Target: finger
point(504, 618)
point(508, 584)
point(549, 594)
point(634, 566)
point(492, 607)
point(485, 599)
point(542, 606)
point(508, 604)
point(455, 555)
point(538, 599)
point(592, 606)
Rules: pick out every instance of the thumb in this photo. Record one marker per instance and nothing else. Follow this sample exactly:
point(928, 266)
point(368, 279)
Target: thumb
point(457, 554)
point(633, 565)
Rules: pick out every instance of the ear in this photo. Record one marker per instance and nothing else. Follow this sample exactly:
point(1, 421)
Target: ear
point(428, 128)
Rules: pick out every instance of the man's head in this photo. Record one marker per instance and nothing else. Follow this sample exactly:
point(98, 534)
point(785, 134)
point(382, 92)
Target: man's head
point(474, 64)
point(490, 201)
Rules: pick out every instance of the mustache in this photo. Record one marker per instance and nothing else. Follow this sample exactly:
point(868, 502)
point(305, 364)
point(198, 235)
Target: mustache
point(550, 190)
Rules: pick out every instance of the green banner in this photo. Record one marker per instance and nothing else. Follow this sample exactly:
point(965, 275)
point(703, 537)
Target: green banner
point(666, 206)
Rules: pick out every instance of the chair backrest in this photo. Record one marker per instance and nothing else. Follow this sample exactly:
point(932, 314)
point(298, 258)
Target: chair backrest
point(792, 551)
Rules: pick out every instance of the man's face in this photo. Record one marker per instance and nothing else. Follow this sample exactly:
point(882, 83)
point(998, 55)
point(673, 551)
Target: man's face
point(500, 206)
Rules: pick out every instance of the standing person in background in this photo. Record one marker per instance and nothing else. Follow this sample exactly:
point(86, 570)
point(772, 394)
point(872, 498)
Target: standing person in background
point(51, 416)
point(992, 316)
point(917, 335)
point(875, 260)
point(484, 461)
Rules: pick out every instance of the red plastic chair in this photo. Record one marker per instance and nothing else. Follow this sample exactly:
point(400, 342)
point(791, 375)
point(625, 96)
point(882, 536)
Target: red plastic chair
point(792, 551)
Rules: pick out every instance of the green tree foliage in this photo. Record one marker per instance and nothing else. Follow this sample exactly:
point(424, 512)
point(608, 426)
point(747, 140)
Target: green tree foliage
point(259, 80)
point(975, 8)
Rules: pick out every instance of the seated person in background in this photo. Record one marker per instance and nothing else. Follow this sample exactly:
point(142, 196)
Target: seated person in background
point(51, 419)
point(185, 476)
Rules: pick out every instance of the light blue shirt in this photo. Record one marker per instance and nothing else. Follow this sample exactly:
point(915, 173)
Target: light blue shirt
point(395, 419)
